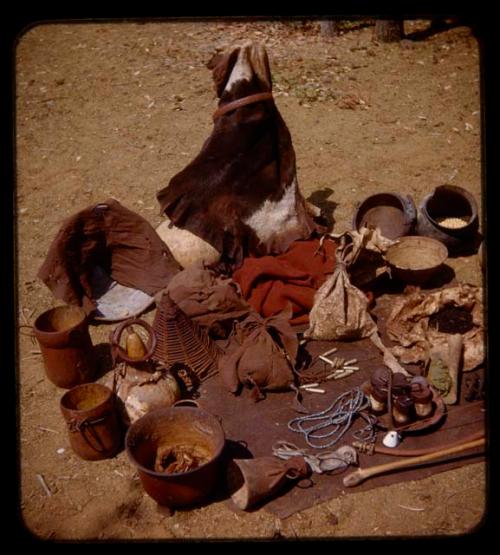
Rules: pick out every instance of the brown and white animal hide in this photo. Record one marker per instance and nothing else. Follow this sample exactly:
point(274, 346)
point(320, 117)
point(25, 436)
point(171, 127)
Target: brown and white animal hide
point(240, 194)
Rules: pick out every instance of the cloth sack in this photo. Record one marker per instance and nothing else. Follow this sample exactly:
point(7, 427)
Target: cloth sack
point(263, 354)
point(340, 310)
point(211, 300)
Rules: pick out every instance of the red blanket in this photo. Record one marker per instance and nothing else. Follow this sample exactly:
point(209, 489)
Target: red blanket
point(269, 283)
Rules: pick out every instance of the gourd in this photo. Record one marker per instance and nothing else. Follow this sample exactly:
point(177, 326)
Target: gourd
point(134, 345)
point(141, 391)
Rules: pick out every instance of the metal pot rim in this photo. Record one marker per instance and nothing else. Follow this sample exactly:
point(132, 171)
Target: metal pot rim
point(86, 385)
point(163, 475)
point(404, 204)
point(459, 190)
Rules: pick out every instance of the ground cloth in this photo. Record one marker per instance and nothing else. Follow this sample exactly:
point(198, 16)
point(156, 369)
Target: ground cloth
point(260, 425)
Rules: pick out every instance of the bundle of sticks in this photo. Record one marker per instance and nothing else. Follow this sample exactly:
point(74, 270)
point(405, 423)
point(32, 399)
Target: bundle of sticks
point(332, 369)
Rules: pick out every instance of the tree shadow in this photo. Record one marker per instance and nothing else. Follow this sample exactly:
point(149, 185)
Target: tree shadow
point(320, 199)
point(436, 26)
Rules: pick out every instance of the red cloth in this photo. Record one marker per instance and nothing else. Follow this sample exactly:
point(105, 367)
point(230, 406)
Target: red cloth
point(269, 283)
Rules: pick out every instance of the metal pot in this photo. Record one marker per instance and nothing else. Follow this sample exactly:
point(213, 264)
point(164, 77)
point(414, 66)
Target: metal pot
point(173, 426)
point(68, 355)
point(394, 214)
point(449, 201)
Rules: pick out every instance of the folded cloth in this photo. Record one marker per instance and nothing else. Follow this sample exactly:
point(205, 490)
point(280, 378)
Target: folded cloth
point(111, 237)
point(207, 298)
point(270, 283)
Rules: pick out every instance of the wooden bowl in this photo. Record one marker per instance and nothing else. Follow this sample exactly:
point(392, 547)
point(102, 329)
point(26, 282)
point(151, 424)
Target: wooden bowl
point(414, 259)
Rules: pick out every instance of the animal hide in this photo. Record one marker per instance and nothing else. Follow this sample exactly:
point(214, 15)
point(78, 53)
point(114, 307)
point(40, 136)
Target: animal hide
point(114, 238)
point(408, 324)
point(240, 193)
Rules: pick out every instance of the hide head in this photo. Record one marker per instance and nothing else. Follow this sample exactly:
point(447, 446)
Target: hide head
point(245, 66)
point(240, 193)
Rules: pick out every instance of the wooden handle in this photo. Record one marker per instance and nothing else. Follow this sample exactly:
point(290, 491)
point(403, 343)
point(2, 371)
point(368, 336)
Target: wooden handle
point(358, 476)
point(455, 346)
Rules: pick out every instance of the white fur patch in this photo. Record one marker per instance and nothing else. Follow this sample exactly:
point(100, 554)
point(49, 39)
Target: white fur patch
point(242, 70)
point(275, 217)
point(186, 247)
point(312, 210)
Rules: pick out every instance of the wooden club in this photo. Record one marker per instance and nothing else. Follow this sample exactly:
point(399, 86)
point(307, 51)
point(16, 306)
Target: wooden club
point(358, 476)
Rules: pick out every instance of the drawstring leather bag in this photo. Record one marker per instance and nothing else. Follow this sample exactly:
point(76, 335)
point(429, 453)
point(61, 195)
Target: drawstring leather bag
point(263, 354)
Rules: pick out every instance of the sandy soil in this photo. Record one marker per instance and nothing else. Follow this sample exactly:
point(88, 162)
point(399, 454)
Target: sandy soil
point(116, 110)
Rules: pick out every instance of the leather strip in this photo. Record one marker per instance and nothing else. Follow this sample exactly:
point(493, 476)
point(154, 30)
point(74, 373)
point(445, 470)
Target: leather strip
point(230, 106)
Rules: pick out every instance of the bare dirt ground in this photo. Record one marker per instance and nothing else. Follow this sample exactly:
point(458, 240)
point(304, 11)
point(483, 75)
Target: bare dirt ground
point(116, 110)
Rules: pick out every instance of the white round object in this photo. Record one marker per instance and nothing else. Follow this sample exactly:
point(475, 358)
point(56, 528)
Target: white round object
point(141, 391)
point(186, 247)
point(391, 439)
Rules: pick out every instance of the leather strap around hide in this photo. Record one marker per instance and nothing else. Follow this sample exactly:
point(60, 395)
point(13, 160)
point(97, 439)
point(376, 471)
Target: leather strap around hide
point(242, 102)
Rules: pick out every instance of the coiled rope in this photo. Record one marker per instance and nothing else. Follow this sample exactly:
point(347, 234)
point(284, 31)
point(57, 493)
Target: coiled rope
point(337, 419)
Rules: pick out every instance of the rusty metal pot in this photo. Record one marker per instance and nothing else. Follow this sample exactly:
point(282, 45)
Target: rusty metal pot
point(172, 426)
point(68, 355)
point(449, 201)
point(91, 416)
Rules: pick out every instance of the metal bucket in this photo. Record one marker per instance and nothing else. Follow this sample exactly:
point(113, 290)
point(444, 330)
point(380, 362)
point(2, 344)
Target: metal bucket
point(172, 426)
point(91, 416)
point(68, 355)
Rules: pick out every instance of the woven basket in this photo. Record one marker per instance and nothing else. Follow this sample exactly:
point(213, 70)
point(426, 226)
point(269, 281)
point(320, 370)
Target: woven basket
point(182, 341)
